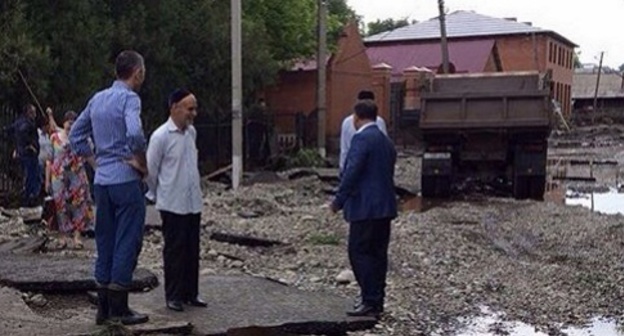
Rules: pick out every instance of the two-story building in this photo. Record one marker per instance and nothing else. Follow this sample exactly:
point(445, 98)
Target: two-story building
point(479, 43)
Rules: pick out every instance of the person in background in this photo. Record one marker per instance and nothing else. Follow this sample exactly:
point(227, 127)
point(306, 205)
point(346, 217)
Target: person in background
point(174, 185)
point(112, 119)
point(367, 197)
point(24, 131)
point(66, 180)
point(347, 131)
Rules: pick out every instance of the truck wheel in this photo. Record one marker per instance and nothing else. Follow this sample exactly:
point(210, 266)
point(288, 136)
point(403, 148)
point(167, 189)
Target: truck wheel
point(538, 187)
point(521, 187)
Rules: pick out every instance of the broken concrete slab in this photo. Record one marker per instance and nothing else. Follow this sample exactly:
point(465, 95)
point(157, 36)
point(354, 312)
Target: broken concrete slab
point(158, 327)
point(18, 319)
point(236, 302)
point(50, 273)
point(24, 245)
point(237, 239)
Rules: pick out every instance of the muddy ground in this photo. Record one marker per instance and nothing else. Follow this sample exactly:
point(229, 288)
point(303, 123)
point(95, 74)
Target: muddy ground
point(542, 263)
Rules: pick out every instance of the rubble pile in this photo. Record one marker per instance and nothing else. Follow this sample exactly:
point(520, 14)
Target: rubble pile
point(541, 263)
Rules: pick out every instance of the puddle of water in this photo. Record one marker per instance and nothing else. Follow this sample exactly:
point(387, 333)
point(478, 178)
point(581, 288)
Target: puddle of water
point(610, 202)
point(492, 324)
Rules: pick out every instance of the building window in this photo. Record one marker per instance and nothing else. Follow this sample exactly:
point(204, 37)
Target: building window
point(567, 60)
point(550, 52)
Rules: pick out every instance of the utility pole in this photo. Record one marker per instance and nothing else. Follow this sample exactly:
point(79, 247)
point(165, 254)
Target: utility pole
point(444, 43)
point(321, 99)
point(595, 108)
point(237, 96)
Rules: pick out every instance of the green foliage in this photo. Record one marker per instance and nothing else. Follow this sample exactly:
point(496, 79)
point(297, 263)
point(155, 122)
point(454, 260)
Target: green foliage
point(621, 68)
point(324, 239)
point(306, 157)
point(19, 52)
point(577, 60)
point(66, 49)
point(381, 26)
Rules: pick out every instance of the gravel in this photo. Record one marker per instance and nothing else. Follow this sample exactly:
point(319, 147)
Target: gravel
point(542, 263)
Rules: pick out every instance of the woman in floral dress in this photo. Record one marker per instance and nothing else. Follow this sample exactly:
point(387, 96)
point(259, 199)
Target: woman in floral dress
point(66, 180)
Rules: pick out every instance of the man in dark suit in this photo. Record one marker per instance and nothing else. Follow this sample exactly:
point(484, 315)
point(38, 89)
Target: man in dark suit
point(366, 196)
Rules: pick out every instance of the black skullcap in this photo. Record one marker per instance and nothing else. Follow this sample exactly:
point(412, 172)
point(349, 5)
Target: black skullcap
point(365, 94)
point(177, 95)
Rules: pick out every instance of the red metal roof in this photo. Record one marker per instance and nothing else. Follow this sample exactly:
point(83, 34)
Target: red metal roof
point(467, 56)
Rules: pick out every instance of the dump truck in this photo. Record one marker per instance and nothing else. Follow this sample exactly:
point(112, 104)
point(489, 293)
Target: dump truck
point(489, 127)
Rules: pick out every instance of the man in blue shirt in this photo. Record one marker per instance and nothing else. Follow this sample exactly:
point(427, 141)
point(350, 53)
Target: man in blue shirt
point(112, 120)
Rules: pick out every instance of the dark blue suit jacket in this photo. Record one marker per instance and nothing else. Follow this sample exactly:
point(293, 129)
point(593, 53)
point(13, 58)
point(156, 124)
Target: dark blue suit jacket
point(366, 188)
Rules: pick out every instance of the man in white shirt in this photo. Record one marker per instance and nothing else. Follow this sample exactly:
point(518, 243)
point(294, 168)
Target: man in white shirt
point(174, 184)
point(347, 131)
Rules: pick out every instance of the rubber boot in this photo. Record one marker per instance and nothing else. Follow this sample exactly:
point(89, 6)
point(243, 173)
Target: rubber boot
point(119, 310)
point(103, 309)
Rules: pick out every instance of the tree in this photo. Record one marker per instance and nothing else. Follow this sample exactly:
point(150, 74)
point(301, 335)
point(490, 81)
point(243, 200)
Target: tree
point(577, 60)
point(67, 48)
point(621, 68)
point(19, 53)
point(381, 26)
point(77, 35)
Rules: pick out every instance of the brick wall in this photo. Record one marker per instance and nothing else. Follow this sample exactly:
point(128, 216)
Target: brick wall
point(348, 71)
point(541, 52)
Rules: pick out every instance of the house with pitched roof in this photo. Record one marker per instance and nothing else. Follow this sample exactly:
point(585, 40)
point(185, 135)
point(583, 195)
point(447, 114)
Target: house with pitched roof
point(479, 43)
point(293, 96)
point(609, 94)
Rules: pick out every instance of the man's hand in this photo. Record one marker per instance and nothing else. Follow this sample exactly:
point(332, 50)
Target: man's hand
point(139, 164)
point(91, 161)
point(48, 111)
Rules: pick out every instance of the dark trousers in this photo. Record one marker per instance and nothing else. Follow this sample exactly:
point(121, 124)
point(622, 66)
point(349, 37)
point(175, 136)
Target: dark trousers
point(181, 255)
point(368, 254)
point(120, 218)
point(32, 183)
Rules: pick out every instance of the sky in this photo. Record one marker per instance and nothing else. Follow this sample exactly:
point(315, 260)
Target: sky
point(595, 26)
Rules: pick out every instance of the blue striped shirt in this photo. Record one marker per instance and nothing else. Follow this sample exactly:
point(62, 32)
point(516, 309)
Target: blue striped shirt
point(112, 119)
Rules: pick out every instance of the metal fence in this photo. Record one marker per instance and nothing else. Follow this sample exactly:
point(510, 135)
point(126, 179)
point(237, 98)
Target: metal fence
point(263, 137)
point(10, 173)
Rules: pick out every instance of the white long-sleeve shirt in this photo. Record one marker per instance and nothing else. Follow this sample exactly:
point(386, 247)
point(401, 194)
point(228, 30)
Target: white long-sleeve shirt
point(173, 180)
point(347, 131)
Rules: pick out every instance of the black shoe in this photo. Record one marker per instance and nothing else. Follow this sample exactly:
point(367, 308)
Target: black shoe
point(119, 310)
point(175, 305)
point(196, 302)
point(102, 314)
point(365, 310)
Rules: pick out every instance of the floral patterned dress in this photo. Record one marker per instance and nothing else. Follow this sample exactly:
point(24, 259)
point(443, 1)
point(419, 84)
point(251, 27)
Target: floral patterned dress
point(70, 187)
